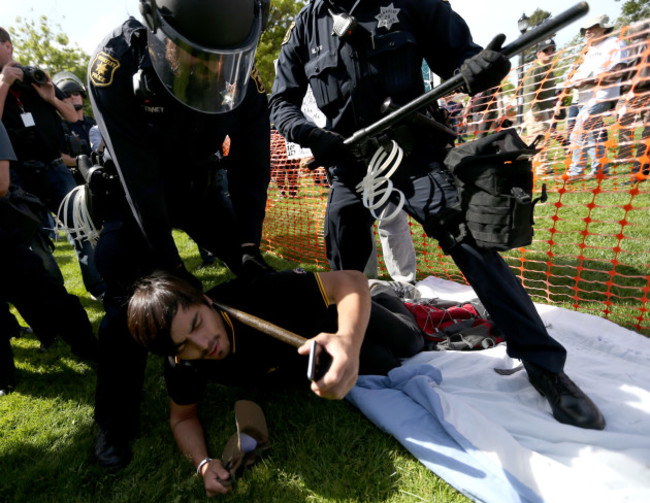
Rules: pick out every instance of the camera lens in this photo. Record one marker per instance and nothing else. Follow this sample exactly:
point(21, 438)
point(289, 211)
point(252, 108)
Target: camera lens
point(33, 74)
point(39, 76)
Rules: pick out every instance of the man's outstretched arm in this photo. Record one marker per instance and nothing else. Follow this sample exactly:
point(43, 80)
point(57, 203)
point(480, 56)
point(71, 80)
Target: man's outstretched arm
point(349, 291)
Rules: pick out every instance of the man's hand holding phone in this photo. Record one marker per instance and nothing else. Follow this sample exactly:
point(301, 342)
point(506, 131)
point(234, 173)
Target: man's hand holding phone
point(334, 366)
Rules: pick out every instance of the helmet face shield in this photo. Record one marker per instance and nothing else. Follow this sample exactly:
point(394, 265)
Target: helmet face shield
point(205, 79)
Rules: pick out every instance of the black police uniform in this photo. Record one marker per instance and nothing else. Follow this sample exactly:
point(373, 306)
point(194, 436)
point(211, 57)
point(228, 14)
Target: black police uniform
point(164, 154)
point(350, 79)
point(39, 297)
point(294, 300)
point(77, 142)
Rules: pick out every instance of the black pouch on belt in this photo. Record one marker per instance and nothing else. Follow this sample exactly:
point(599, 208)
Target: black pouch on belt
point(495, 179)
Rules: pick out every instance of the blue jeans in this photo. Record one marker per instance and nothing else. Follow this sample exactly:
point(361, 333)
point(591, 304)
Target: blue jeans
point(590, 135)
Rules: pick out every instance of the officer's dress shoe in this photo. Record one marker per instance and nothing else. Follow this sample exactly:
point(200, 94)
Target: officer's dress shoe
point(111, 453)
point(570, 405)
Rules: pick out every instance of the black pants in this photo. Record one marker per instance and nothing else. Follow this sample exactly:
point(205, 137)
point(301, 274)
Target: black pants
point(44, 304)
point(348, 245)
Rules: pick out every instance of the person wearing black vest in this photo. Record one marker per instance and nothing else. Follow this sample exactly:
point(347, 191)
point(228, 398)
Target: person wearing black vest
point(76, 133)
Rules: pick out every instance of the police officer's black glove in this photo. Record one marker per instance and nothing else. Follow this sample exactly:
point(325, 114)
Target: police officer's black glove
point(253, 264)
point(485, 69)
point(328, 147)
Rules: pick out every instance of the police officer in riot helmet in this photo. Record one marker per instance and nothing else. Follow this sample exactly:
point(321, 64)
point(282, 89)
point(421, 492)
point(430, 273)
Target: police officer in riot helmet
point(165, 96)
point(72, 86)
point(77, 139)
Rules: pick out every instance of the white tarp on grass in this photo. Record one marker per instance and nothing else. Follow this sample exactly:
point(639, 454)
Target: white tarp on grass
point(493, 438)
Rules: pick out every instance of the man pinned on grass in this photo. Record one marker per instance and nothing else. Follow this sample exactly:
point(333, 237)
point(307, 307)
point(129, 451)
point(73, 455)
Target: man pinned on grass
point(201, 342)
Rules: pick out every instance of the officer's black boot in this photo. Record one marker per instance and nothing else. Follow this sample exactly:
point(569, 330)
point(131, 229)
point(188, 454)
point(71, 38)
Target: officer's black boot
point(569, 403)
point(112, 450)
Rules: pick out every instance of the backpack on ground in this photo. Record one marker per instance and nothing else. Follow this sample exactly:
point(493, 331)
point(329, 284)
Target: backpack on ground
point(448, 325)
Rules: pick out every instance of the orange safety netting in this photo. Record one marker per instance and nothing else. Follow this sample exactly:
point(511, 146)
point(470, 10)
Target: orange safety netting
point(591, 248)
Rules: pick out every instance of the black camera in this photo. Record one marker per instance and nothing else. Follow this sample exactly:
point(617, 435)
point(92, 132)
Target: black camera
point(34, 75)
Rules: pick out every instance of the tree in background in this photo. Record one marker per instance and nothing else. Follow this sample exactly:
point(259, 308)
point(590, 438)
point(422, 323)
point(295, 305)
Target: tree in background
point(38, 44)
point(280, 18)
point(633, 10)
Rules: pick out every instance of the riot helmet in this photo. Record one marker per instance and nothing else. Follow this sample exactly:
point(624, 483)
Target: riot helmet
point(203, 50)
point(68, 82)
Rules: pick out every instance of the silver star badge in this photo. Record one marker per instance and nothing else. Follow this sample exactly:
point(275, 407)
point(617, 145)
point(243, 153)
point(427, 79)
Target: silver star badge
point(387, 16)
point(228, 94)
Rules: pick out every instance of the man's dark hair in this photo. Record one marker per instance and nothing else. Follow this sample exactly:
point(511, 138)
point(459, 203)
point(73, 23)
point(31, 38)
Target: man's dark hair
point(155, 301)
point(4, 36)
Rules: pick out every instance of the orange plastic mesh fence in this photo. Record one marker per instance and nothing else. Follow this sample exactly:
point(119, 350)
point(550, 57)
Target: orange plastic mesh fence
point(591, 247)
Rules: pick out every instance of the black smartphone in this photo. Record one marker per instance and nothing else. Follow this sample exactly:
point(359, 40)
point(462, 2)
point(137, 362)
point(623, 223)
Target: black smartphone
point(319, 362)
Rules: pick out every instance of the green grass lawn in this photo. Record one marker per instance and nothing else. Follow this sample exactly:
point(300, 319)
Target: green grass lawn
point(590, 253)
point(322, 451)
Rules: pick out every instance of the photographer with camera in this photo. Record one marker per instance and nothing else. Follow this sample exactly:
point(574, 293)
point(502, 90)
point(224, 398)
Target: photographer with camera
point(77, 132)
point(31, 107)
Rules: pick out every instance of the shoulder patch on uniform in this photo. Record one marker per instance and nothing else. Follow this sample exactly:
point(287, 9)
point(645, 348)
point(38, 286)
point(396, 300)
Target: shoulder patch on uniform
point(255, 75)
point(287, 36)
point(103, 69)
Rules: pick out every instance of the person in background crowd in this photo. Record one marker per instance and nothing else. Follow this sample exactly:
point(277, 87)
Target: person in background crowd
point(540, 89)
point(30, 105)
point(284, 172)
point(38, 296)
point(597, 80)
point(456, 111)
point(96, 141)
point(77, 133)
point(351, 74)
point(635, 103)
point(482, 115)
point(165, 95)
